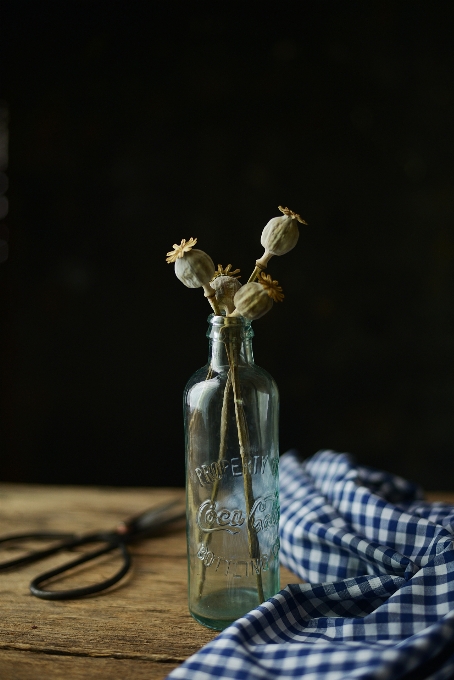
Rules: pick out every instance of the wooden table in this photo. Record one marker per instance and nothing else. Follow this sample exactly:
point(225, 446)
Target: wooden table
point(141, 628)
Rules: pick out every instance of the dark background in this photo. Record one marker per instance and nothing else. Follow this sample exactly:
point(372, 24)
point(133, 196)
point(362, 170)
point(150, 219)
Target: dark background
point(133, 125)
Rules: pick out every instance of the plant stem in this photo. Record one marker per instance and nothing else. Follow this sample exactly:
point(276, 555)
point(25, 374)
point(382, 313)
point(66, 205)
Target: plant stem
point(222, 450)
point(243, 440)
point(254, 274)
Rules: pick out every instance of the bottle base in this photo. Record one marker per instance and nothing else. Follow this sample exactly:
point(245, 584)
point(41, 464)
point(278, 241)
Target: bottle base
point(221, 608)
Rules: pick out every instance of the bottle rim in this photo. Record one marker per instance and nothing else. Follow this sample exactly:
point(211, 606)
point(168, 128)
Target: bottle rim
point(217, 322)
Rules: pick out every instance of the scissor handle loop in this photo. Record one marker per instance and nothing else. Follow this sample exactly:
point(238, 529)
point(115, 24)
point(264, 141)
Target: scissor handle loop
point(74, 593)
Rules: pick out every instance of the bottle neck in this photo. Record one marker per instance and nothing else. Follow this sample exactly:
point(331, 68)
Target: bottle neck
point(230, 342)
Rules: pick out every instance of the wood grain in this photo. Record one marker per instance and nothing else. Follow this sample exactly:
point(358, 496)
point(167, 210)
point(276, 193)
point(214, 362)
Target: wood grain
point(139, 628)
point(16, 665)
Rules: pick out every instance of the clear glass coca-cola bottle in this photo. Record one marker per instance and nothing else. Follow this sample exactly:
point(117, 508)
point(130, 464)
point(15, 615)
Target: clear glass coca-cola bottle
point(232, 482)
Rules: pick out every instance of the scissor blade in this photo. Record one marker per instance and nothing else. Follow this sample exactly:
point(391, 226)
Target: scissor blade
point(152, 519)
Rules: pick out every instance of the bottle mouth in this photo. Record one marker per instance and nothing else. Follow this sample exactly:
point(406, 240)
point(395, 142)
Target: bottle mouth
point(217, 323)
point(221, 320)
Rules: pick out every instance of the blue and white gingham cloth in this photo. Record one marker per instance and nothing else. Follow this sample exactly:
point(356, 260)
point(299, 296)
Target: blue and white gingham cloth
point(379, 602)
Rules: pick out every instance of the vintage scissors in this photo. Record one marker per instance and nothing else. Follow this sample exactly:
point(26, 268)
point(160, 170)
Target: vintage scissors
point(134, 529)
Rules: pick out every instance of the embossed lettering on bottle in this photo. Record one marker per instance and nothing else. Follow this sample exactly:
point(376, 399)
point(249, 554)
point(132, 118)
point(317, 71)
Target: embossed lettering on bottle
point(207, 473)
point(210, 518)
point(264, 513)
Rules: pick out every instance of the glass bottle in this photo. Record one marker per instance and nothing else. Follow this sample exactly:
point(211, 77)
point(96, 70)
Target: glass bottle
point(232, 482)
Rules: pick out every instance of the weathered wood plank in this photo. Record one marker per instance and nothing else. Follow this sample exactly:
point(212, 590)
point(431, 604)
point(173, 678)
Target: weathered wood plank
point(15, 665)
point(144, 619)
point(444, 496)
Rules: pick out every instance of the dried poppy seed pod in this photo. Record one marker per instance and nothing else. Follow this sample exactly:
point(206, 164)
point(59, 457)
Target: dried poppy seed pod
point(194, 268)
point(279, 236)
point(226, 288)
point(252, 302)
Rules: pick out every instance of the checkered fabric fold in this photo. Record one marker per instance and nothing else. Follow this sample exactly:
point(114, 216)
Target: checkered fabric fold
point(379, 602)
